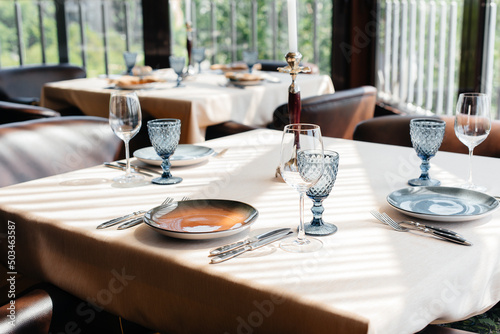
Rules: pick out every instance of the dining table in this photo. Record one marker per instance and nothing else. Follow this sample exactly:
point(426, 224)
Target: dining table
point(205, 99)
point(367, 277)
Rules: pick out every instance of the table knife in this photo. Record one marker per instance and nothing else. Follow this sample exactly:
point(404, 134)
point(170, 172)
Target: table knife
point(249, 247)
point(223, 249)
point(131, 223)
point(118, 220)
point(448, 237)
point(439, 229)
point(110, 165)
point(138, 168)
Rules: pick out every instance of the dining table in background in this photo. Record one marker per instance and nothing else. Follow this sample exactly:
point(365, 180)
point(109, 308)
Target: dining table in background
point(205, 100)
point(367, 278)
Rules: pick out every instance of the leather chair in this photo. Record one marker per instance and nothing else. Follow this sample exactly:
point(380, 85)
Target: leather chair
point(45, 147)
point(337, 113)
point(395, 130)
point(15, 112)
point(24, 84)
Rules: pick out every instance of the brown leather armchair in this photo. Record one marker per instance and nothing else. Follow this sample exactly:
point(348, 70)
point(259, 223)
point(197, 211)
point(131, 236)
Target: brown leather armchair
point(24, 84)
point(15, 112)
point(395, 130)
point(45, 147)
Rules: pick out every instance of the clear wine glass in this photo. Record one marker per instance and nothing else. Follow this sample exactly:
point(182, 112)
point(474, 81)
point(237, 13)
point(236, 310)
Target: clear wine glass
point(178, 64)
point(125, 120)
point(426, 137)
point(198, 56)
point(301, 166)
point(472, 126)
point(164, 135)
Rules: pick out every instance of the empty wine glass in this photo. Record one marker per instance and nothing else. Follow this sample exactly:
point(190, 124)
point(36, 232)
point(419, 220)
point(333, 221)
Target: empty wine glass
point(426, 137)
point(319, 192)
point(301, 166)
point(130, 59)
point(125, 120)
point(250, 58)
point(198, 56)
point(164, 135)
point(472, 126)
point(178, 64)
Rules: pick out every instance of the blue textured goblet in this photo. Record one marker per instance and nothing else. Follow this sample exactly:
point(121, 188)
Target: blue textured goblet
point(426, 137)
point(130, 59)
point(250, 58)
point(319, 192)
point(178, 64)
point(164, 135)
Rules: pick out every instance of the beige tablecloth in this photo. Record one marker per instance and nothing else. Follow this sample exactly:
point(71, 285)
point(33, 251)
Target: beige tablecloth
point(367, 278)
point(204, 101)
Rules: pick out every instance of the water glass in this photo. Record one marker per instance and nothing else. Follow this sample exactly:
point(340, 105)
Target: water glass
point(198, 56)
point(130, 59)
point(250, 58)
point(426, 137)
point(320, 192)
point(164, 135)
point(178, 64)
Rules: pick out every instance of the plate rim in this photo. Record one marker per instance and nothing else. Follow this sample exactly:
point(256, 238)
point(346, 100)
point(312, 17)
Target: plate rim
point(444, 217)
point(209, 153)
point(204, 235)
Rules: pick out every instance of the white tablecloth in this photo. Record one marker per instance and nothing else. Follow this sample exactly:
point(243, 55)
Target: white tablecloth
point(367, 278)
point(204, 101)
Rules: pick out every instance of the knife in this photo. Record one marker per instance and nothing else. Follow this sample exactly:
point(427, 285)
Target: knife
point(223, 249)
point(131, 223)
point(137, 168)
point(120, 219)
point(445, 236)
point(110, 165)
point(246, 248)
point(439, 229)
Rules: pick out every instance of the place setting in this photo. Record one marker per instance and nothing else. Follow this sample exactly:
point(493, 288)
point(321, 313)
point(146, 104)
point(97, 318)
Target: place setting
point(426, 199)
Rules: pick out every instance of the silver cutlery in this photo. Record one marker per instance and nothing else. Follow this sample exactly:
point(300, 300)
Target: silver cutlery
point(110, 165)
point(139, 168)
point(439, 229)
point(249, 247)
point(226, 248)
point(219, 155)
point(137, 221)
point(384, 218)
point(131, 216)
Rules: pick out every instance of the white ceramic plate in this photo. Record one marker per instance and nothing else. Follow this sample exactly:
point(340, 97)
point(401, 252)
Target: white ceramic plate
point(446, 204)
point(149, 85)
point(246, 82)
point(201, 219)
point(184, 155)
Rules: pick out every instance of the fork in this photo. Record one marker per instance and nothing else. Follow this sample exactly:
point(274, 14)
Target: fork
point(139, 220)
point(384, 218)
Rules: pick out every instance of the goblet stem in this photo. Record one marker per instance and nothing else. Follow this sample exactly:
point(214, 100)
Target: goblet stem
point(471, 149)
point(165, 166)
point(127, 157)
point(424, 167)
point(302, 233)
point(317, 211)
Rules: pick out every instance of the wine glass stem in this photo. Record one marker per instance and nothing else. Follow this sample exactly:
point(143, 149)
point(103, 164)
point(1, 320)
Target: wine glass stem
point(471, 149)
point(127, 157)
point(302, 234)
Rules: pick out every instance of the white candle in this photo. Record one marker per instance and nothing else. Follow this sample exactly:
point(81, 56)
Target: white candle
point(188, 10)
point(292, 26)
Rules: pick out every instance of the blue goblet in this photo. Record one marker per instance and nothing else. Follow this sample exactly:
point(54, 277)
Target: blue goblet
point(130, 59)
point(178, 64)
point(164, 135)
point(250, 58)
point(426, 137)
point(319, 192)
point(198, 56)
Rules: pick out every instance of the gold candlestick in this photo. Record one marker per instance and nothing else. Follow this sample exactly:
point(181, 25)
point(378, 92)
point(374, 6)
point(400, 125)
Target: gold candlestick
point(294, 105)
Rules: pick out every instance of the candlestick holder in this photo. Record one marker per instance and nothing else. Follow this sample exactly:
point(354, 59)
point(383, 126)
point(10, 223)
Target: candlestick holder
point(189, 45)
point(294, 104)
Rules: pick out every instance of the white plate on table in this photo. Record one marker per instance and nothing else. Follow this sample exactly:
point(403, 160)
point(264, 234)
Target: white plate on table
point(184, 155)
point(447, 204)
point(201, 219)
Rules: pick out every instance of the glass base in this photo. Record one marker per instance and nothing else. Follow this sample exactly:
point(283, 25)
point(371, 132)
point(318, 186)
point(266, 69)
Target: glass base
point(424, 183)
point(472, 186)
point(164, 180)
point(320, 230)
point(306, 245)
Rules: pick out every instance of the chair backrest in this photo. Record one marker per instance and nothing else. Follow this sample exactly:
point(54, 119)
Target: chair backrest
point(395, 130)
point(337, 114)
point(24, 84)
point(50, 146)
point(16, 112)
